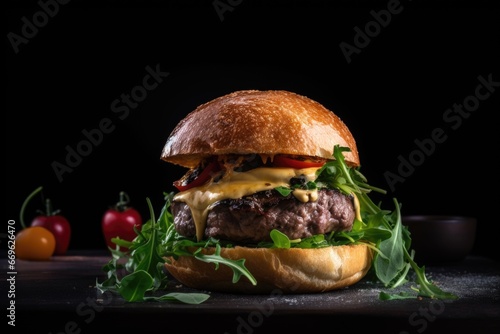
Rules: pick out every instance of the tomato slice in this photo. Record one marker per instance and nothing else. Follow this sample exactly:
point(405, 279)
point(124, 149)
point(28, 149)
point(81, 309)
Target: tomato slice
point(284, 161)
point(201, 179)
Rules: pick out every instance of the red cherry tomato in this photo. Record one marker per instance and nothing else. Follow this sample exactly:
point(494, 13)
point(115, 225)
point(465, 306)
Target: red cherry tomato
point(119, 221)
point(284, 161)
point(201, 179)
point(35, 243)
point(58, 225)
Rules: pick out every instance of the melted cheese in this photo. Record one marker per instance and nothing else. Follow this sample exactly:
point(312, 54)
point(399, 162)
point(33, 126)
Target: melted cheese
point(239, 184)
point(305, 196)
point(357, 207)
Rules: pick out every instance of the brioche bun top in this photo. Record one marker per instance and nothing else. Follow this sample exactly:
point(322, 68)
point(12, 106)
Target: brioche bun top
point(258, 122)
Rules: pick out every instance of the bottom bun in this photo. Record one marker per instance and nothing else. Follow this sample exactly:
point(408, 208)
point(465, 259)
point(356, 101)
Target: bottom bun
point(293, 270)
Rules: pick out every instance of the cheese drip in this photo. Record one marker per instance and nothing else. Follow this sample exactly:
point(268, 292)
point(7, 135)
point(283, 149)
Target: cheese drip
point(235, 185)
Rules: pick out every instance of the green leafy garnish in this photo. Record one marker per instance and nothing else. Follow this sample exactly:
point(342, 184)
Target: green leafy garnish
point(284, 191)
point(402, 295)
point(392, 263)
point(381, 230)
point(139, 274)
point(133, 287)
point(143, 274)
point(280, 239)
point(238, 266)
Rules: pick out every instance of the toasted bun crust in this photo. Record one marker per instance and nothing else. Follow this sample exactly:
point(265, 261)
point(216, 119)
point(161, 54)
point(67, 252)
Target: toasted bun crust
point(263, 122)
point(286, 270)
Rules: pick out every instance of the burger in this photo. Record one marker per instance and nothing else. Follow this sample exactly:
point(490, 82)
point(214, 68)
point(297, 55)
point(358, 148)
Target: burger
point(272, 201)
point(259, 195)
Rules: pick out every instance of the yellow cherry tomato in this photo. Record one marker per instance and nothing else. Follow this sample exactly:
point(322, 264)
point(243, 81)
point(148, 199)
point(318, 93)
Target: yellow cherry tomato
point(35, 243)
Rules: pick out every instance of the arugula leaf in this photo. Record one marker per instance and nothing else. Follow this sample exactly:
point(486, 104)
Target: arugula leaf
point(238, 266)
point(187, 298)
point(426, 288)
point(280, 239)
point(388, 267)
point(133, 287)
point(401, 295)
point(284, 191)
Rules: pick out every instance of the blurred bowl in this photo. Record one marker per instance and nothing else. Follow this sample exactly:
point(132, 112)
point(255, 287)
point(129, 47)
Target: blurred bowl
point(438, 239)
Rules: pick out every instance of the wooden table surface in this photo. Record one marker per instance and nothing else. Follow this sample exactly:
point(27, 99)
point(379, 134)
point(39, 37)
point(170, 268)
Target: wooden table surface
point(59, 296)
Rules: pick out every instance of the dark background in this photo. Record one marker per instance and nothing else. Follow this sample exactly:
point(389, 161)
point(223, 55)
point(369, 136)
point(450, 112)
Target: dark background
point(393, 92)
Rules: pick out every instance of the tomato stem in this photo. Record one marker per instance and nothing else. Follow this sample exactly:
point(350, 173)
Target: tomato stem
point(123, 201)
point(25, 203)
point(49, 208)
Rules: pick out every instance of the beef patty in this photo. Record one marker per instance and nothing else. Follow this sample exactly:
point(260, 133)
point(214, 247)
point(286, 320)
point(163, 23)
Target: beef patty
point(250, 219)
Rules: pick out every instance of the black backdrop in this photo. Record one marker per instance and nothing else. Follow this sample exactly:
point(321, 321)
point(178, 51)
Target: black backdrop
point(71, 65)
